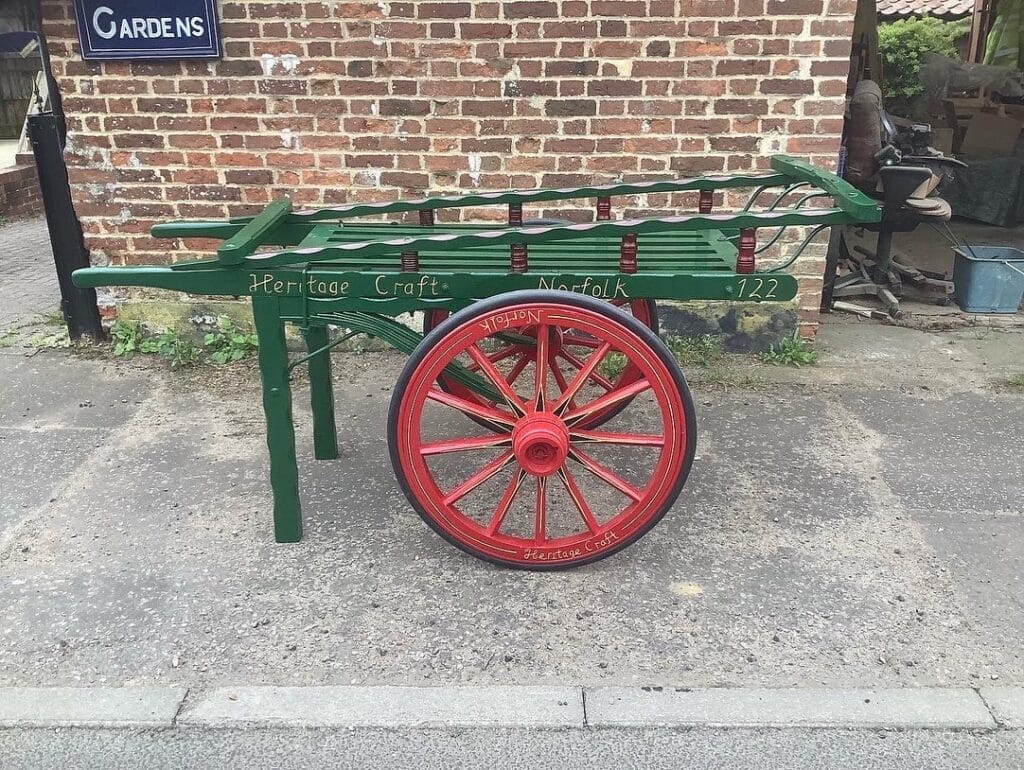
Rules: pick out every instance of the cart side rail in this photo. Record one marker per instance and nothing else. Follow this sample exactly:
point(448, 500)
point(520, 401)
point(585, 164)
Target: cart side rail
point(527, 236)
point(228, 228)
point(519, 197)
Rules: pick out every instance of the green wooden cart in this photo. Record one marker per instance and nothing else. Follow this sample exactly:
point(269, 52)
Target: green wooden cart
point(539, 421)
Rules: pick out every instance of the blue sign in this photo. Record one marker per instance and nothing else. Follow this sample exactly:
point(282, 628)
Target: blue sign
point(148, 29)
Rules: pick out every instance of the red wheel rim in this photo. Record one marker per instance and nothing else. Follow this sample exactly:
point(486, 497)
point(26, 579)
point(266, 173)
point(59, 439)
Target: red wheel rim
point(570, 353)
point(539, 457)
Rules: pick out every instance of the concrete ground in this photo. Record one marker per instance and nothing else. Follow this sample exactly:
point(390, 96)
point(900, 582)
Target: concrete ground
point(856, 524)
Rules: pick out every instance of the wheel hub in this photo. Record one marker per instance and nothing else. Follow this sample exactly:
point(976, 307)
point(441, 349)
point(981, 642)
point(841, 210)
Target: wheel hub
point(540, 443)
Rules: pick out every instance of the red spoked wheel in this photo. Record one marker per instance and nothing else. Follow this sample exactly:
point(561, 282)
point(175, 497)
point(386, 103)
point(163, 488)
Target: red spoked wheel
point(576, 345)
point(527, 481)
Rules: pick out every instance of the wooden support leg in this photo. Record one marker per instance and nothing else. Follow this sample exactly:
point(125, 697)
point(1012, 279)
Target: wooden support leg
point(321, 395)
point(277, 405)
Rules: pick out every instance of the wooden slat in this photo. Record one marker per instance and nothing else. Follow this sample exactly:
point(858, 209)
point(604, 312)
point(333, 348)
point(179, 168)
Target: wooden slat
point(243, 243)
point(456, 242)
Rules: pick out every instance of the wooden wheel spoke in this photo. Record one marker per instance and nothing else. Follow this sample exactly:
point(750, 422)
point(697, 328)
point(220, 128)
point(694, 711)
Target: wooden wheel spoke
point(465, 444)
point(506, 501)
point(606, 437)
point(541, 365)
point(497, 378)
point(540, 523)
point(478, 478)
point(606, 475)
point(517, 369)
point(603, 382)
point(578, 500)
point(563, 385)
point(500, 355)
point(579, 341)
point(609, 399)
point(586, 370)
point(467, 407)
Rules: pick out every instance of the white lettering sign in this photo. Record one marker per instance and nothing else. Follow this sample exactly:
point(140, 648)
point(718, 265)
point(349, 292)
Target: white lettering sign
point(107, 26)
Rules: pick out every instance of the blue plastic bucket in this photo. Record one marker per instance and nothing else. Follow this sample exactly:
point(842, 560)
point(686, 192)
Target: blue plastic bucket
point(988, 279)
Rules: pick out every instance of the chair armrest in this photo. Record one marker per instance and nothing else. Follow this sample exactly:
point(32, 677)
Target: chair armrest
point(899, 182)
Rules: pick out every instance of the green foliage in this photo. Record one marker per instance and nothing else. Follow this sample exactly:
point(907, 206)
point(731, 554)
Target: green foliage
point(127, 338)
point(903, 45)
point(55, 339)
point(1016, 382)
point(703, 351)
point(229, 343)
point(612, 365)
point(791, 351)
point(178, 351)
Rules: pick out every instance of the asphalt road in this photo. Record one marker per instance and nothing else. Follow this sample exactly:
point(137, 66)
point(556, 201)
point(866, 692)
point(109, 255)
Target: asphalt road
point(305, 749)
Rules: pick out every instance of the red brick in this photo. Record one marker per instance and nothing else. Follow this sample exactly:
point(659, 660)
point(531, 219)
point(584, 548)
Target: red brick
point(795, 7)
point(570, 107)
point(743, 67)
point(786, 86)
point(530, 9)
point(446, 10)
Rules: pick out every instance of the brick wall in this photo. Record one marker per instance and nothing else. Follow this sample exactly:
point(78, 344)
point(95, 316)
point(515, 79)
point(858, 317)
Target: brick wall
point(339, 101)
point(19, 190)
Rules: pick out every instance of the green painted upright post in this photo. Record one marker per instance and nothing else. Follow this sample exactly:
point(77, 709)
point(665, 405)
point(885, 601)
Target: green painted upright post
point(277, 405)
point(321, 394)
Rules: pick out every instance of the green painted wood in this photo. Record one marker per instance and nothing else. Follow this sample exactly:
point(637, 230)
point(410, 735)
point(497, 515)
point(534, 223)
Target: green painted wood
point(253, 234)
point(285, 234)
point(216, 229)
point(851, 200)
point(686, 250)
point(457, 242)
point(277, 406)
point(221, 280)
point(321, 394)
point(397, 292)
point(713, 182)
point(402, 338)
point(392, 293)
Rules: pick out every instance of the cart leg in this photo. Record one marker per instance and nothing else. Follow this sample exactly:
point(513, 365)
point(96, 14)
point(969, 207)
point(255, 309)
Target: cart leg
point(321, 394)
point(277, 405)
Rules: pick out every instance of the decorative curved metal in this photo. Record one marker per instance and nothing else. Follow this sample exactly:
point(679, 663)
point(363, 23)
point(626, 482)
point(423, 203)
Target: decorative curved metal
point(796, 254)
point(798, 204)
point(778, 198)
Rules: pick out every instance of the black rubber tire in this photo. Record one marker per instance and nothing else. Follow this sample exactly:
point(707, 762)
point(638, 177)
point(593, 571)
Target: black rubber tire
point(652, 340)
point(652, 309)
